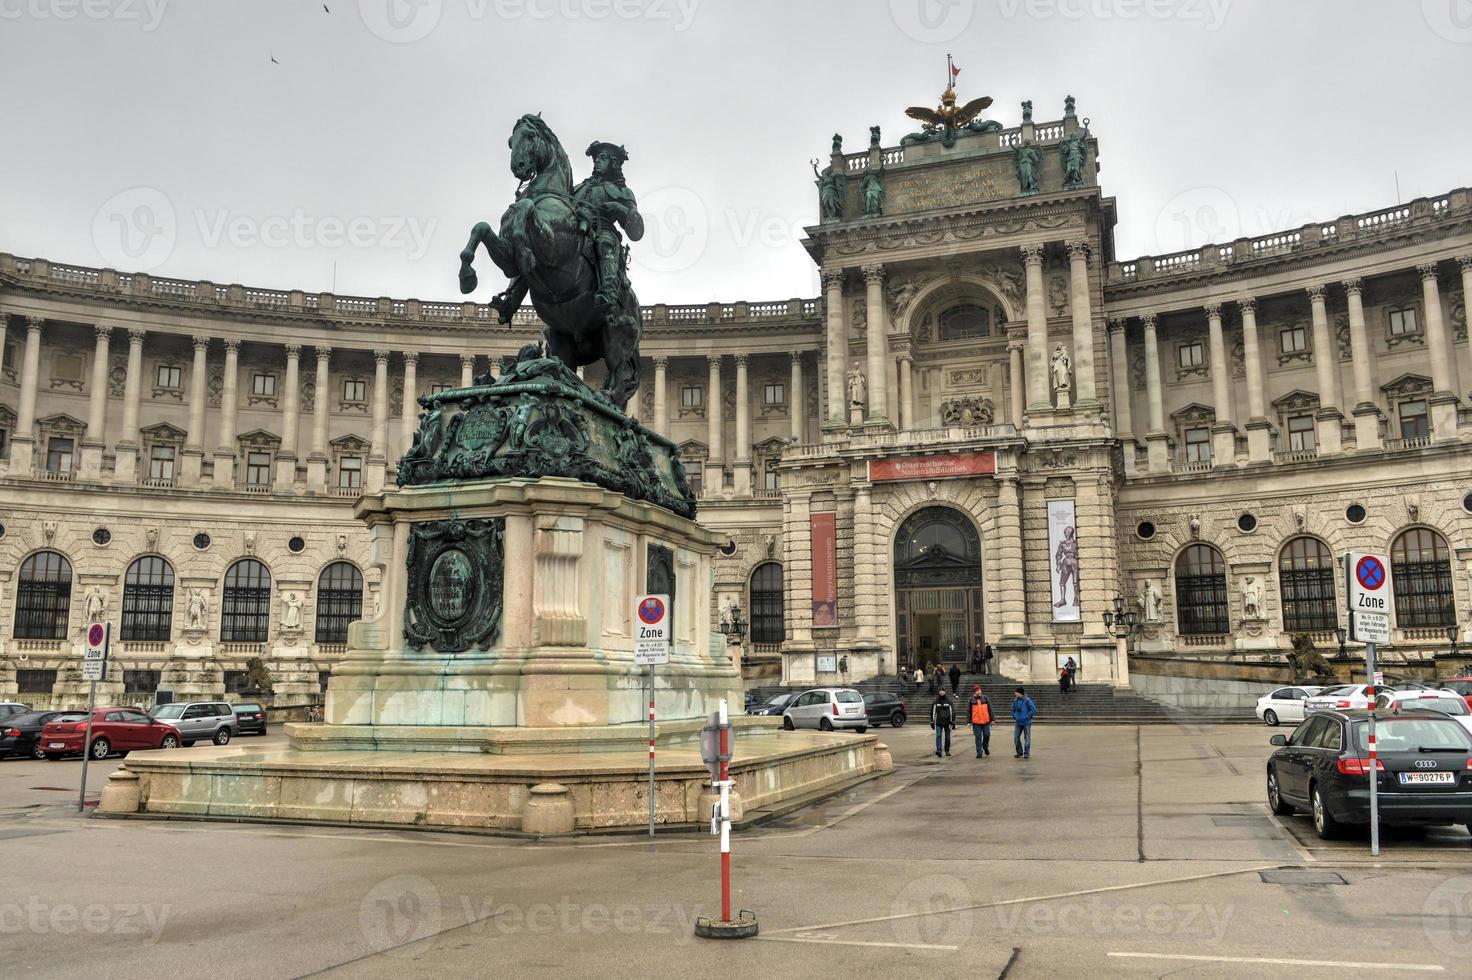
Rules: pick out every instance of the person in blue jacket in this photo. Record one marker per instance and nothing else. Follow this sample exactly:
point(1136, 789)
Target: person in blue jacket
point(1023, 710)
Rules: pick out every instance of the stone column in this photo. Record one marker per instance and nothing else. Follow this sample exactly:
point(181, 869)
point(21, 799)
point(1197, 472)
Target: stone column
point(1259, 428)
point(1366, 415)
point(1084, 392)
point(1124, 425)
point(796, 403)
point(23, 442)
point(229, 402)
point(1443, 401)
point(285, 468)
point(321, 403)
point(907, 393)
point(1224, 432)
point(1038, 397)
point(743, 429)
point(1012, 595)
point(125, 465)
point(661, 395)
point(1465, 262)
point(467, 370)
point(866, 570)
point(377, 464)
point(191, 459)
point(837, 367)
point(877, 344)
point(715, 479)
point(1156, 439)
point(1016, 382)
point(409, 412)
point(1328, 419)
point(96, 438)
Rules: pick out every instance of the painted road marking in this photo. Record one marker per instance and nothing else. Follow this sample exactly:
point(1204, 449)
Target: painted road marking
point(1341, 964)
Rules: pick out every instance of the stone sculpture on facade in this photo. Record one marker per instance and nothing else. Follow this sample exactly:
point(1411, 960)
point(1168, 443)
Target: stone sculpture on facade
point(1062, 365)
point(291, 612)
point(1074, 153)
point(1150, 601)
point(1026, 111)
point(831, 189)
point(858, 387)
point(967, 411)
point(197, 611)
point(96, 605)
point(1028, 161)
point(946, 120)
point(1252, 598)
point(873, 137)
point(872, 188)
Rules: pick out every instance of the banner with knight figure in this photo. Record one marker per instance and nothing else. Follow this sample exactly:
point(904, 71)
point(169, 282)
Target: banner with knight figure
point(1063, 558)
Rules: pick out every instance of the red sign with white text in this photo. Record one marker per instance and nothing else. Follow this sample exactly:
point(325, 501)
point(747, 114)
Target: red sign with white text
point(825, 569)
point(933, 467)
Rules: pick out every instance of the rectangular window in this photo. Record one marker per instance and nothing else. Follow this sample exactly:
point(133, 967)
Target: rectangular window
point(169, 376)
point(1402, 322)
point(1198, 445)
point(354, 391)
point(690, 396)
point(4, 443)
point(59, 455)
point(1191, 355)
point(35, 681)
point(263, 385)
point(769, 477)
point(350, 472)
point(258, 469)
point(1293, 340)
point(1301, 433)
point(161, 463)
point(774, 394)
point(237, 681)
point(1413, 421)
point(141, 681)
point(10, 352)
point(436, 389)
point(693, 474)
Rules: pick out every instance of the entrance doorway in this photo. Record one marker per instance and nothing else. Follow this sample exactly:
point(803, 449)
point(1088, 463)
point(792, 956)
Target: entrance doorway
point(937, 576)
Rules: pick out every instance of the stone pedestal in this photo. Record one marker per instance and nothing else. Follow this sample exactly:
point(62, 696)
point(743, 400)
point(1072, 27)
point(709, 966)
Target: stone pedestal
point(1224, 444)
point(22, 455)
point(90, 467)
point(1259, 441)
point(191, 466)
point(1158, 447)
point(1329, 424)
point(317, 473)
point(1443, 407)
point(1366, 427)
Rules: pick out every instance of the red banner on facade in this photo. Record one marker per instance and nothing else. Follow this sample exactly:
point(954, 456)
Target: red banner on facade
point(933, 467)
point(825, 569)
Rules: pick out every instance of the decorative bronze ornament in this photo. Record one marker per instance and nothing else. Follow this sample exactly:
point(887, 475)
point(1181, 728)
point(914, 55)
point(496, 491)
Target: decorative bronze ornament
point(454, 590)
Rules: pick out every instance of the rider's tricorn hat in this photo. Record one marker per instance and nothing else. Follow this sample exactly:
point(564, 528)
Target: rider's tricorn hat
point(598, 146)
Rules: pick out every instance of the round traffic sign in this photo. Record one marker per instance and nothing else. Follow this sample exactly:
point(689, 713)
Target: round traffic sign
point(651, 611)
point(94, 635)
point(1369, 572)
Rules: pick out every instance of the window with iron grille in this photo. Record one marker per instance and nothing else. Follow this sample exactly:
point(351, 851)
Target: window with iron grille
point(43, 597)
point(1421, 570)
point(339, 601)
point(59, 455)
point(246, 607)
point(323, 676)
point(237, 681)
point(141, 681)
point(1201, 591)
point(767, 624)
point(35, 681)
point(148, 600)
point(1306, 582)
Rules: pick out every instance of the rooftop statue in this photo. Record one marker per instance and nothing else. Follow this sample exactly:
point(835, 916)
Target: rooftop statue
point(947, 119)
point(563, 246)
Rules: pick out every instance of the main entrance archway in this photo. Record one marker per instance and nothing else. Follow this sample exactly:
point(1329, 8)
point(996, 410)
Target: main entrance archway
point(937, 580)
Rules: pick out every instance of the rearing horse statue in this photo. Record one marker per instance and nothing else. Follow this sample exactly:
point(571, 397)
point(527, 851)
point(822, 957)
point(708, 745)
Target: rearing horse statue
point(546, 248)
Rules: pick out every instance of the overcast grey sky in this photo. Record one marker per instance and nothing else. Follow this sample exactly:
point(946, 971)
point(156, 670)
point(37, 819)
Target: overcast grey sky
point(157, 135)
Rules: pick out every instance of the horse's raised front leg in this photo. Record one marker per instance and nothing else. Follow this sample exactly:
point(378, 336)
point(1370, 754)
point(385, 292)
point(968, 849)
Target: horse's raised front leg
point(468, 279)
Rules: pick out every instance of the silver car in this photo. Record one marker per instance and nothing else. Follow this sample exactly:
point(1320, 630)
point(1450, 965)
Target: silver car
point(827, 708)
point(196, 720)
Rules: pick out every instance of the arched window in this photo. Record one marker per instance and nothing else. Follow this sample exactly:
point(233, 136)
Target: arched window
point(148, 600)
point(965, 322)
point(1201, 592)
point(1421, 573)
point(766, 604)
point(43, 597)
point(339, 601)
point(245, 613)
point(1306, 582)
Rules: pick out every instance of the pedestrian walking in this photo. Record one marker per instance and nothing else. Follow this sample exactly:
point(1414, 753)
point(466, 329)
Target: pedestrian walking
point(943, 720)
point(986, 659)
point(1072, 666)
point(1064, 680)
point(980, 711)
point(955, 675)
point(919, 678)
point(1023, 712)
point(940, 679)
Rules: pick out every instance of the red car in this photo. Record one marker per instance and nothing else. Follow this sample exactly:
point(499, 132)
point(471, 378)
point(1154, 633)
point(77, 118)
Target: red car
point(120, 730)
point(1462, 685)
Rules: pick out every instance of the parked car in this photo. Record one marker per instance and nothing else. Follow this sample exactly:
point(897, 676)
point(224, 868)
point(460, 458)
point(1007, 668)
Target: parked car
point(827, 708)
point(885, 709)
point(250, 718)
point(1462, 686)
point(1424, 770)
point(1342, 698)
point(1285, 704)
point(1448, 703)
point(20, 734)
point(775, 705)
point(12, 708)
point(120, 730)
point(195, 720)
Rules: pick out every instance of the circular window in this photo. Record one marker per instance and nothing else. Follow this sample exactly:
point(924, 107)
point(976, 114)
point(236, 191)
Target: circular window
point(101, 536)
point(1467, 503)
point(201, 541)
point(1355, 514)
point(2, 530)
point(1145, 531)
point(1247, 523)
point(296, 545)
point(729, 548)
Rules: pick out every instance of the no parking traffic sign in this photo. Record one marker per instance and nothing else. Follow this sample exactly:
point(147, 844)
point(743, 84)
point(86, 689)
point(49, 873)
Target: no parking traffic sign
point(94, 651)
point(652, 630)
point(1369, 592)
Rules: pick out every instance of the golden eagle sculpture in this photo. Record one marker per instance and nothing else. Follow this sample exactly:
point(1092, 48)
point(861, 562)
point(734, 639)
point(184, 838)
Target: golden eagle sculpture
point(947, 119)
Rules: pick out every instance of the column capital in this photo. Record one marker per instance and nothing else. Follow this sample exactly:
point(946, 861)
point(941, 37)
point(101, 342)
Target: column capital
point(232, 346)
point(1352, 285)
point(832, 278)
point(1114, 324)
point(661, 362)
point(1213, 311)
point(411, 358)
point(1248, 304)
point(713, 361)
point(1465, 261)
point(201, 342)
point(293, 351)
point(467, 360)
point(796, 356)
point(1078, 248)
point(323, 352)
point(1315, 293)
point(35, 323)
point(905, 357)
point(1427, 271)
point(873, 273)
point(136, 335)
point(1032, 254)
point(1149, 320)
point(380, 356)
point(1016, 346)
point(740, 359)
point(103, 332)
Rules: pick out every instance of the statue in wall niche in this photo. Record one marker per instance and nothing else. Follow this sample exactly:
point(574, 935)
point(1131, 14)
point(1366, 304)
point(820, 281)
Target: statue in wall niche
point(1028, 162)
point(901, 294)
point(831, 188)
point(1150, 600)
point(1062, 363)
point(196, 613)
point(1194, 523)
point(872, 188)
point(1058, 295)
point(1074, 153)
point(96, 605)
point(858, 387)
point(291, 612)
point(858, 318)
point(1252, 598)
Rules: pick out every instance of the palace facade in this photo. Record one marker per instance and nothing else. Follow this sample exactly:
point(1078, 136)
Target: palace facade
point(987, 428)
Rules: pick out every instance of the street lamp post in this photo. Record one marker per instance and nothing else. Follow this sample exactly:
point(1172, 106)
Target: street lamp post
point(733, 627)
point(1339, 635)
point(1451, 634)
point(1120, 623)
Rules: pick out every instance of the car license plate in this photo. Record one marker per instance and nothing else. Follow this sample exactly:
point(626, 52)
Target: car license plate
point(1428, 777)
point(57, 745)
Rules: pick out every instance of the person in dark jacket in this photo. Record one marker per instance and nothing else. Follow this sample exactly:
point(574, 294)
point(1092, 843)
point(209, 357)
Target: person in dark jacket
point(980, 715)
point(1023, 712)
point(942, 720)
point(986, 659)
point(955, 675)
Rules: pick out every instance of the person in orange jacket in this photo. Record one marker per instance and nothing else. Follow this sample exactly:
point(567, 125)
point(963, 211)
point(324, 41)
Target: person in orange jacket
point(980, 714)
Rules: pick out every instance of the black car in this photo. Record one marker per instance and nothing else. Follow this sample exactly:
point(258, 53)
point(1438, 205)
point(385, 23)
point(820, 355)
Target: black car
point(775, 706)
point(885, 709)
point(250, 718)
point(20, 734)
point(1424, 770)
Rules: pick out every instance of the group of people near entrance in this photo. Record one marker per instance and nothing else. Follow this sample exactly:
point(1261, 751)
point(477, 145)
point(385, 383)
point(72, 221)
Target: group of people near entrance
point(980, 717)
point(980, 662)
